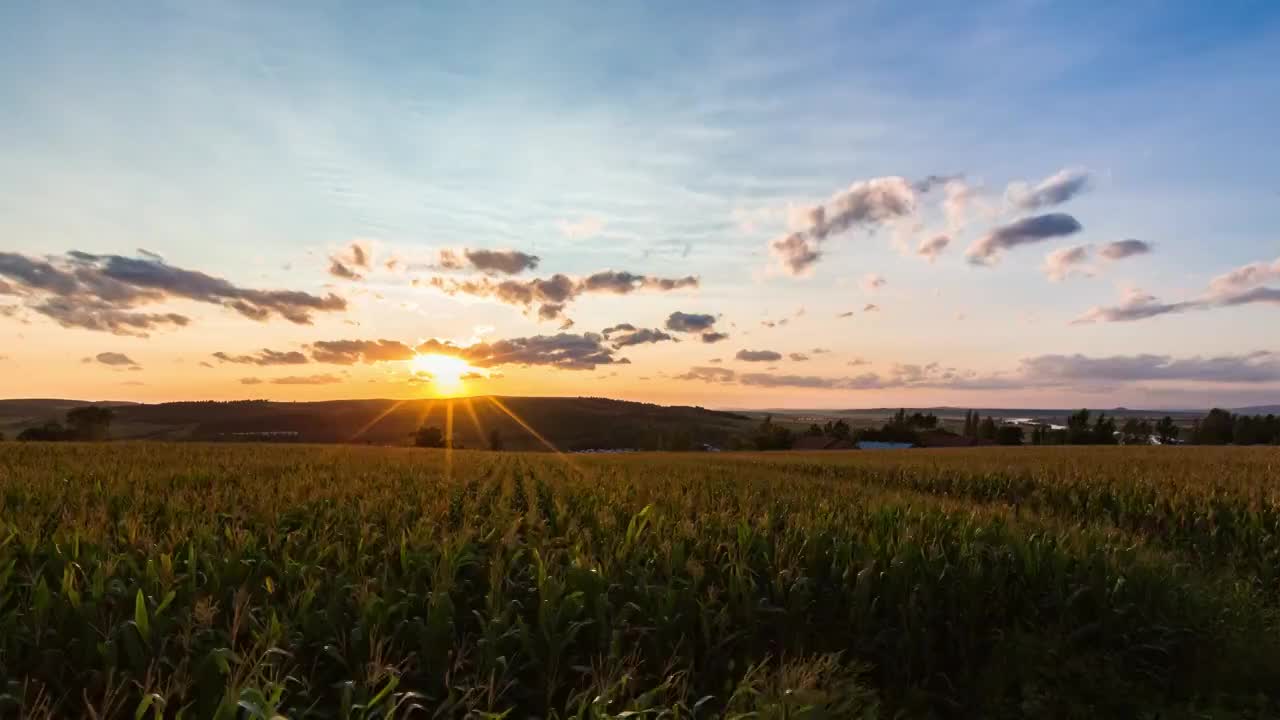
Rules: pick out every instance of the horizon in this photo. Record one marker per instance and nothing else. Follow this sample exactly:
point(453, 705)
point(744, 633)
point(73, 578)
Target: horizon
point(726, 409)
point(839, 209)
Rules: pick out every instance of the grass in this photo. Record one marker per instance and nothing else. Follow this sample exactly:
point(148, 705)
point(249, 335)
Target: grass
point(167, 580)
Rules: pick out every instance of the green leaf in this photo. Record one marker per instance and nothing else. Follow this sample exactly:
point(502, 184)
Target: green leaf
point(140, 619)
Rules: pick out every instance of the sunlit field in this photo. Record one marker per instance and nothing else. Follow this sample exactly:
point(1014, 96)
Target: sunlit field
point(166, 580)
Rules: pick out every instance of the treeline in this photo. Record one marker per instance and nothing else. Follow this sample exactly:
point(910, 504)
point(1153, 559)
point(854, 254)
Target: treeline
point(1083, 428)
point(1221, 427)
point(83, 423)
point(989, 430)
point(901, 428)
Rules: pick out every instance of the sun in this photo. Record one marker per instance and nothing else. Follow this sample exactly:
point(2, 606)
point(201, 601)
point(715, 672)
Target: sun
point(446, 372)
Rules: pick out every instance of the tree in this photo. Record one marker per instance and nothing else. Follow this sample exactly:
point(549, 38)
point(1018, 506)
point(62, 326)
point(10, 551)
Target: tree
point(48, 432)
point(1078, 432)
point(1037, 434)
point(815, 430)
point(495, 440)
point(1217, 428)
point(429, 436)
point(987, 429)
point(839, 430)
point(90, 422)
point(1166, 430)
point(1009, 435)
point(923, 421)
point(1104, 430)
point(1136, 432)
point(772, 437)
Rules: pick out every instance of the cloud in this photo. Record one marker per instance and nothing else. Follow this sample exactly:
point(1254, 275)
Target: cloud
point(621, 283)
point(870, 307)
point(929, 182)
point(1041, 371)
point(700, 323)
point(872, 282)
point(1257, 367)
point(1134, 305)
point(958, 197)
point(1245, 277)
point(35, 275)
point(689, 322)
point(583, 228)
point(1028, 230)
point(340, 270)
point(617, 328)
point(775, 323)
point(770, 380)
point(565, 351)
point(251, 381)
point(264, 358)
point(758, 355)
point(507, 262)
point(1062, 262)
point(325, 379)
point(350, 352)
point(1053, 190)
point(856, 362)
point(708, 374)
point(798, 357)
point(551, 295)
point(1241, 286)
point(867, 203)
point(101, 316)
point(796, 252)
point(846, 314)
point(115, 359)
point(931, 248)
point(488, 261)
point(625, 338)
point(1256, 295)
point(1121, 249)
point(348, 263)
point(101, 292)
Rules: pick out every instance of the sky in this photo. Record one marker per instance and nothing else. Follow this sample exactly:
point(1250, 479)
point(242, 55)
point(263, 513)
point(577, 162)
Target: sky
point(806, 205)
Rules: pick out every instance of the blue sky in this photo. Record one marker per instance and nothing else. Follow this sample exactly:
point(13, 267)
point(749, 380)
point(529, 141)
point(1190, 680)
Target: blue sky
point(241, 140)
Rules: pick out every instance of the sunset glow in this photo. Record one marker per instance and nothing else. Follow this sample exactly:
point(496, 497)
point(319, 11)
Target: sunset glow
point(445, 372)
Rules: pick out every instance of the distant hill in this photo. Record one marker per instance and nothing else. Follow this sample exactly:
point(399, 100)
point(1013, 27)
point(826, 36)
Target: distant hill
point(1258, 410)
point(566, 423)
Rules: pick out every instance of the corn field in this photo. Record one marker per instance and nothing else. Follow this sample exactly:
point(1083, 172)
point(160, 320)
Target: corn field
point(218, 581)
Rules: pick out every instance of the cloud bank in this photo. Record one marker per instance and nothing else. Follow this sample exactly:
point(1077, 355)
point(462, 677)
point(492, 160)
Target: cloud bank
point(103, 292)
point(549, 296)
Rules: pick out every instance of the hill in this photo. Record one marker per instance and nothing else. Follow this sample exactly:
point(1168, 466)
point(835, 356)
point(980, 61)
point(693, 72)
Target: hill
point(1258, 410)
point(566, 423)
